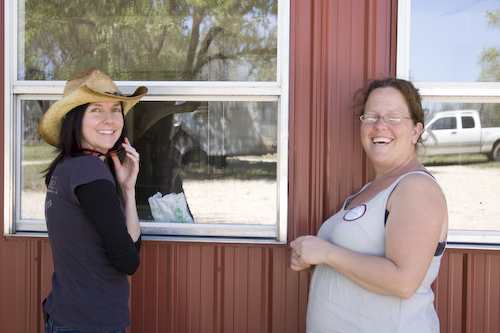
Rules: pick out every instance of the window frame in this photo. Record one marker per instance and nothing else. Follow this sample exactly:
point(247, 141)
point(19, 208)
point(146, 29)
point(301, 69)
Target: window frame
point(16, 90)
point(457, 92)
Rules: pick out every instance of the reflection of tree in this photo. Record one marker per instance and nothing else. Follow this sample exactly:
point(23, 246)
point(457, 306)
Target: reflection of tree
point(32, 112)
point(151, 40)
point(489, 61)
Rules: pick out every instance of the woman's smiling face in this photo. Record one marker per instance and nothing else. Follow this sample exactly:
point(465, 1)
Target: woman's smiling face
point(102, 125)
point(389, 143)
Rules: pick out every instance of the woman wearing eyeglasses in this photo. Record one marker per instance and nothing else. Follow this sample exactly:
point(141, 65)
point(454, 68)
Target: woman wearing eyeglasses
point(376, 258)
point(90, 206)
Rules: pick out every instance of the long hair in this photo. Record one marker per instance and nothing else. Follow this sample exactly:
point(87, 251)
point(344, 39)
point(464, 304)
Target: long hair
point(70, 139)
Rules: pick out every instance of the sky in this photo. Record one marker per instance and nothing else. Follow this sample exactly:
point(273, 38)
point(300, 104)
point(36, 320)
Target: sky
point(447, 38)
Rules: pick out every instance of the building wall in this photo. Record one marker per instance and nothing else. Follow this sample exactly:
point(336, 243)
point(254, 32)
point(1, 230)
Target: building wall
point(336, 45)
point(468, 291)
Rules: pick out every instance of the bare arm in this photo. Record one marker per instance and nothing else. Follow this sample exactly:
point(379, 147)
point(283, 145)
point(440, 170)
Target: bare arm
point(416, 223)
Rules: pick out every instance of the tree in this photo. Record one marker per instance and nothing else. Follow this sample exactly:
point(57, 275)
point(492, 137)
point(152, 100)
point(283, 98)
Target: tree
point(167, 40)
point(489, 61)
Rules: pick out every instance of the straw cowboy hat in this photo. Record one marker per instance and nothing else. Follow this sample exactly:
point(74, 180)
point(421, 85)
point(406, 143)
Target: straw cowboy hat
point(89, 86)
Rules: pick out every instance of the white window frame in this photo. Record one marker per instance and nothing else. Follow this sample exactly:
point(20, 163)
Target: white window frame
point(458, 92)
point(16, 90)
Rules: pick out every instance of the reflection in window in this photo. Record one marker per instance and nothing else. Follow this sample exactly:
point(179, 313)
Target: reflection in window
point(468, 122)
point(455, 41)
point(467, 166)
point(201, 162)
point(221, 156)
point(489, 113)
point(135, 40)
point(36, 155)
point(445, 123)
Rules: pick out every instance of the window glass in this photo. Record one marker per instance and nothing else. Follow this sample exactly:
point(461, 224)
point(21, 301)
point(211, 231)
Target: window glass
point(465, 163)
point(211, 151)
point(454, 41)
point(445, 123)
point(36, 156)
point(207, 162)
point(220, 155)
point(135, 40)
point(468, 122)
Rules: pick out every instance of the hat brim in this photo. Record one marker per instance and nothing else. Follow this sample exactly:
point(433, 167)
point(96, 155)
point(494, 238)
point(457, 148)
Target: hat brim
point(49, 126)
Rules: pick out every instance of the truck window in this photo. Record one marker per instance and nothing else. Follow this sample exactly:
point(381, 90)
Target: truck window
point(445, 123)
point(468, 122)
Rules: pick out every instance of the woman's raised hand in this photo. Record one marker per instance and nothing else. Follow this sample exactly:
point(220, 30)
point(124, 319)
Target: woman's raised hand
point(126, 172)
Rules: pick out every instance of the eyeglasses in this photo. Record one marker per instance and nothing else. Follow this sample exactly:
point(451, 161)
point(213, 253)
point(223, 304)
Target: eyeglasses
point(390, 118)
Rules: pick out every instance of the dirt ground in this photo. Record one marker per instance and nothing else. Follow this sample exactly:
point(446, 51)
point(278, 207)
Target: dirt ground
point(216, 201)
point(241, 201)
point(472, 193)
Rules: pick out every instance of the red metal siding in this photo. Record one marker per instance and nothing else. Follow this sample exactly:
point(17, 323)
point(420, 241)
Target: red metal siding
point(468, 291)
point(203, 288)
point(336, 45)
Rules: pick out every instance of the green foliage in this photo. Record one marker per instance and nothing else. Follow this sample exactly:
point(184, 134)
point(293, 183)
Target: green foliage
point(36, 158)
point(476, 160)
point(151, 40)
point(493, 18)
point(38, 152)
point(489, 60)
point(33, 177)
point(236, 168)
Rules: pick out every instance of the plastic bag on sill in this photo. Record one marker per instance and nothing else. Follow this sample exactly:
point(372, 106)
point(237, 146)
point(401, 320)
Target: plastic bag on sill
point(171, 207)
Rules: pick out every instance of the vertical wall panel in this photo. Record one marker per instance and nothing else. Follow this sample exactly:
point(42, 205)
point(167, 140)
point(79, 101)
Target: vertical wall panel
point(13, 285)
point(492, 293)
point(468, 292)
point(448, 289)
point(483, 291)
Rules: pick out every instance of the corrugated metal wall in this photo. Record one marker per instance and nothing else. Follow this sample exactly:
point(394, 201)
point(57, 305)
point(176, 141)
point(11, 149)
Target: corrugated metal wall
point(187, 287)
point(468, 291)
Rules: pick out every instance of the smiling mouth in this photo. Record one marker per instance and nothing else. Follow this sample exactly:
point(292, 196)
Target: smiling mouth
point(106, 132)
point(381, 141)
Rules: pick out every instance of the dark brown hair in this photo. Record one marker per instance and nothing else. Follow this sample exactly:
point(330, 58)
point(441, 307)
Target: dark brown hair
point(406, 88)
point(70, 140)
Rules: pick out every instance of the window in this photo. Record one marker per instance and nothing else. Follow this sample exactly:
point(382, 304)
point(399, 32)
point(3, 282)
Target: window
point(445, 123)
point(468, 122)
point(450, 50)
point(212, 130)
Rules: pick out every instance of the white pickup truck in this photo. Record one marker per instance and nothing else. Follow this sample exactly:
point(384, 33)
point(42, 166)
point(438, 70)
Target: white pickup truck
point(460, 132)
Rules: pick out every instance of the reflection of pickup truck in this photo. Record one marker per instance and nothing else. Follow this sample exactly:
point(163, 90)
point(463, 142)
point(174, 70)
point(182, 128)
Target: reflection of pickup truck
point(460, 132)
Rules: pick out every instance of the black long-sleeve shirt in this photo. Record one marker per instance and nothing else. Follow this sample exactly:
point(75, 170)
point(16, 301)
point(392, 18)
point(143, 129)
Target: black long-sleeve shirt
point(101, 205)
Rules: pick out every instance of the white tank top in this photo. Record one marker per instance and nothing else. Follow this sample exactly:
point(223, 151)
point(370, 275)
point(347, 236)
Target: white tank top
point(336, 304)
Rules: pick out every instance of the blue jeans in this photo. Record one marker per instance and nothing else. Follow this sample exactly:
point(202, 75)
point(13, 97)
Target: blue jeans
point(52, 326)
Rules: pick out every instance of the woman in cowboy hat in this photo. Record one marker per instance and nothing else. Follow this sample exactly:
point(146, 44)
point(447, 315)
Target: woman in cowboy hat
point(90, 206)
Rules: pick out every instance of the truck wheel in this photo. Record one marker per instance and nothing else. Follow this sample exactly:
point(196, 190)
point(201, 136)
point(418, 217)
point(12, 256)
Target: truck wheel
point(495, 154)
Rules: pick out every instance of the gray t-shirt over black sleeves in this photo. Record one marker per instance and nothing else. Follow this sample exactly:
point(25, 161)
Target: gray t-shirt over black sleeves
point(89, 290)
